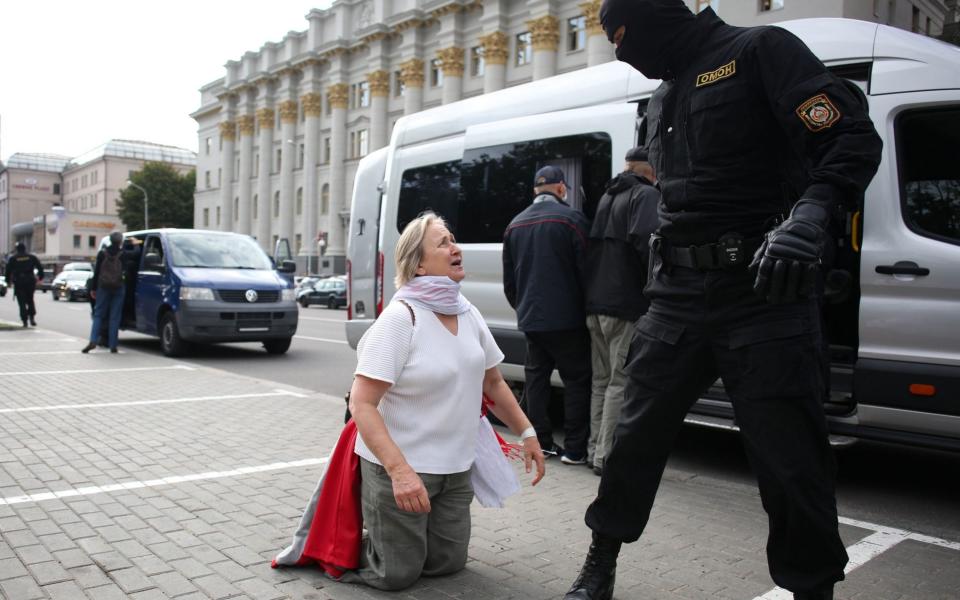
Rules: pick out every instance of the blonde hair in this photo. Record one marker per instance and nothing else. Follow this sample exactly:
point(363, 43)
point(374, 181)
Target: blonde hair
point(409, 251)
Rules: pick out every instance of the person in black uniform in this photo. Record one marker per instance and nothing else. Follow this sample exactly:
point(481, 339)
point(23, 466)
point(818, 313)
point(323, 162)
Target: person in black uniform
point(24, 271)
point(757, 147)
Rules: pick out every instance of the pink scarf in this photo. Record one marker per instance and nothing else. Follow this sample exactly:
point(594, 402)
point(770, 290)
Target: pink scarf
point(436, 293)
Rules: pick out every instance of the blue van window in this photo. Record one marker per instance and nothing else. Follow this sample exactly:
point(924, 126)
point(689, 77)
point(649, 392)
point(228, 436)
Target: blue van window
point(216, 251)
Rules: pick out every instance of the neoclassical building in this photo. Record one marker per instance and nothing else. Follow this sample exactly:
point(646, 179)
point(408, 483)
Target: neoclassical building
point(281, 133)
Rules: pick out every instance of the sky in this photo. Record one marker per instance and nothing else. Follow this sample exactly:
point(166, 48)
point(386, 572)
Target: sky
point(74, 74)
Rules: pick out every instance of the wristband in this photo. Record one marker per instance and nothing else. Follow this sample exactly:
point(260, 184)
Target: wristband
point(529, 432)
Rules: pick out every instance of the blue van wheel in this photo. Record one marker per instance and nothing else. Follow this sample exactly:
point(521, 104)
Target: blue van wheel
point(170, 341)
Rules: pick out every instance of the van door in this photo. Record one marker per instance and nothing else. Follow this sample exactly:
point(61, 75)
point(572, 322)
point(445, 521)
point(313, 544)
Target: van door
point(150, 285)
point(500, 160)
point(363, 238)
point(907, 375)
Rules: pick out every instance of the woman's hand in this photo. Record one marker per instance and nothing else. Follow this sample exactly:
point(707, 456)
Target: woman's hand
point(409, 491)
point(532, 453)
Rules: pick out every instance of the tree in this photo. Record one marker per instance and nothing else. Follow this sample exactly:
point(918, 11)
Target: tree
point(171, 197)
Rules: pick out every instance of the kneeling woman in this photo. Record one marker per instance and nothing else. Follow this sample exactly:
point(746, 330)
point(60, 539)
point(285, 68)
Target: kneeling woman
point(422, 369)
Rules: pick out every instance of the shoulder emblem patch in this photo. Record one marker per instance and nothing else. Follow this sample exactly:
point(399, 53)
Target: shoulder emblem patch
point(818, 113)
point(718, 74)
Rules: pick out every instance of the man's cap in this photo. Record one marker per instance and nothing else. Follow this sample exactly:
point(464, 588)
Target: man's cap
point(636, 154)
point(547, 175)
point(21, 247)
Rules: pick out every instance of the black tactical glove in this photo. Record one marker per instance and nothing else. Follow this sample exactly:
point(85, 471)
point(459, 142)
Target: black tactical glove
point(789, 259)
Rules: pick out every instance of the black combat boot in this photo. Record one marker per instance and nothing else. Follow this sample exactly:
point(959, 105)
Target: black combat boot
point(818, 595)
point(599, 571)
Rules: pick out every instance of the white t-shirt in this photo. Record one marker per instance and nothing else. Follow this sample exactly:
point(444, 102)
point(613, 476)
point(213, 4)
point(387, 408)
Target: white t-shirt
point(432, 408)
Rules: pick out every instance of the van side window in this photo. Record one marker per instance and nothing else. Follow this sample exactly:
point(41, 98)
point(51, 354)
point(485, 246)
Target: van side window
point(497, 181)
point(153, 246)
point(927, 142)
point(432, 187)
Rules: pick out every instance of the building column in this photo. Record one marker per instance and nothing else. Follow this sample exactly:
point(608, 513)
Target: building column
point(411, 75)
point(228, 134)
point(245, 124)
point(451, 65)
point(265, 118)
point(289, 111)
point(312, 107)
point(599, 49)
point(495, 52)
point(379, 82)
point(545, 35)
point(337, 99)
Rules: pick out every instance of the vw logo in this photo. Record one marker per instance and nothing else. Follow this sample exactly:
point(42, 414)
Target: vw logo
point(251, 295)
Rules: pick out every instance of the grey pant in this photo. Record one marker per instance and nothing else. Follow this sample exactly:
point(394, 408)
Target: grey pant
point(609, 342)
point(403, 546)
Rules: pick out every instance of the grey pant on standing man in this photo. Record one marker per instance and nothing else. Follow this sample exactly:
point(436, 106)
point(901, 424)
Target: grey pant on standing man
point(609, 342)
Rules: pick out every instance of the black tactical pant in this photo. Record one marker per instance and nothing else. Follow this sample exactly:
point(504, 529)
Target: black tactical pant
point(702, 325)
point(24, 293)
point(569, 353)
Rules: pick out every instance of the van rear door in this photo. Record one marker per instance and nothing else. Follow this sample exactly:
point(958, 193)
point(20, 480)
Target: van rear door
point(363, 242)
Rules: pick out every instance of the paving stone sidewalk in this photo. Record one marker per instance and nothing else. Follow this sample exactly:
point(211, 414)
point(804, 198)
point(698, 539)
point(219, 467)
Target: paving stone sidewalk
point(70, 421)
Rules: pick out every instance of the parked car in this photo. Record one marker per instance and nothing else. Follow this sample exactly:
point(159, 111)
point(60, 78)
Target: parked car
point(331, 292)
point(78, 266)
point(71, 285)
point(3, 287)
point(47, 282)
point(306, 283)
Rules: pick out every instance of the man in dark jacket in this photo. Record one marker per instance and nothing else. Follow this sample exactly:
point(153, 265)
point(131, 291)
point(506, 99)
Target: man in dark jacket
point(616, 273)
point(24, 271)
point(544, 249)
point(107, 289)
point(757, 148)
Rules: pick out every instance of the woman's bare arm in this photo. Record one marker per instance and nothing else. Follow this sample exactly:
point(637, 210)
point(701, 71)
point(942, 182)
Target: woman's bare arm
point(506, 409)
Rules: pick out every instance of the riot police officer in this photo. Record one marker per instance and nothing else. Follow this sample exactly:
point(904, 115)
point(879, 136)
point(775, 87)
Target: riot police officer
point(24, 271)
point(757, 147)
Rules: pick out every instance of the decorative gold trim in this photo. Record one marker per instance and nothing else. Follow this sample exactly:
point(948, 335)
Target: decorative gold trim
point(445, 10)
point(379, 83)
point(591, 14)
point(408, 24)
point(288, 71)
point(312, 104)
point(246, 124)
point(228, 131)
point(545, 33)
point(289, 111)
point(265, 117)
point(495, 48)
point(451, 61)
point(411, 73)
point(374, 37)
point(337, 95)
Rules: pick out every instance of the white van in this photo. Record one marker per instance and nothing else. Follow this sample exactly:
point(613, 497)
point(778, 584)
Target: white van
point(894, 331)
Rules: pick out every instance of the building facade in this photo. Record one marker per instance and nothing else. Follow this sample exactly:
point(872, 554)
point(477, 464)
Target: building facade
point(280, 135)
point(30, 185)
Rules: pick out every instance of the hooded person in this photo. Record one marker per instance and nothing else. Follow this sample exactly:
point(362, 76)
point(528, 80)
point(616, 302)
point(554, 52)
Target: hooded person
point(748, 127)
point(108, 291)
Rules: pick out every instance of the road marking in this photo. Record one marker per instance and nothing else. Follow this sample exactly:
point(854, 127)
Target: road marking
point(149, 402)
point(882, 539)
point(314, 339)
point(46, 352)
point(132, 485)
point(29, 341)
point(84, 371)
point(322, 319)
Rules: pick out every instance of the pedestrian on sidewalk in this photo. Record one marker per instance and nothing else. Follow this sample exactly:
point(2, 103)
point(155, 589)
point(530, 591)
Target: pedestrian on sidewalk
point(107, 290)
point(24, 272)
point(754, 158)
point(617, 258)
point(544, 253)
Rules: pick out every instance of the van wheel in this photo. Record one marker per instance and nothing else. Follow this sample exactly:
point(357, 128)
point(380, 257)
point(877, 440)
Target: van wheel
point(332, 303)
point(55, 296)
point(277, 346)
point(170, 341)
point(304, 303)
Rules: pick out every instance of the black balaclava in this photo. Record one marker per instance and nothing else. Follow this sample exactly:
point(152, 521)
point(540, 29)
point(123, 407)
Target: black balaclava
point(21, 248)
point(656, 32)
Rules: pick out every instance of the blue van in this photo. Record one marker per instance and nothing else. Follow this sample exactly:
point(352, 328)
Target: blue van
point(207, 287)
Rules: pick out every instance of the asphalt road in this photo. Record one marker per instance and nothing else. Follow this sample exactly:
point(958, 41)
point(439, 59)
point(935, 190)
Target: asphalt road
point(895, 486)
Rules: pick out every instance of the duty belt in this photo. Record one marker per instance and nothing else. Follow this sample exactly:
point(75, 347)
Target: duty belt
point(730, 252)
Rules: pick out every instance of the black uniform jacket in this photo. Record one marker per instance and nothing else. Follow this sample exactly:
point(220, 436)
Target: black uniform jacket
point(23, 270)
point(544, 251)
point(751, 124)
point(619, 248)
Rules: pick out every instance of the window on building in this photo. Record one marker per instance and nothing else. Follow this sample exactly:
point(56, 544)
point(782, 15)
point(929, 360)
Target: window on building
point(76, 241)
point(83, 181)
point(279, 157)
point(91, 241)
point(299, 205)
point(477, 64)
point(300, 157)
point(206, 179)
point(325, 199)
point(436, 73)
point(209, 145)
point(236, 209)
point(360, 95)
point(206, 217)
point(218, 216)
point(297, 243)
point(253, 206)
point(326, 150)
point(256, 165)
point(93, 198)
point(576, 33)
point(56, 188)
point(524, 49)
point(915, 20)
point(929, 173)
point(397, 83)
point(768, 5)
point(276, 204)
point(94, 177)
point(359, 143)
